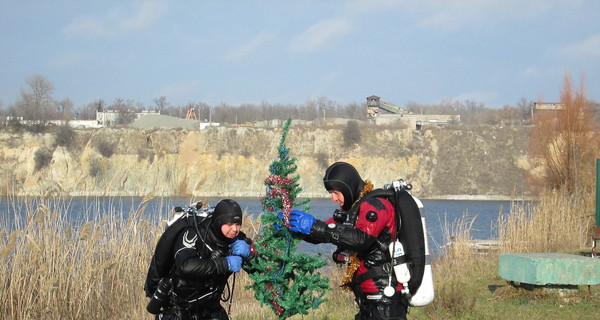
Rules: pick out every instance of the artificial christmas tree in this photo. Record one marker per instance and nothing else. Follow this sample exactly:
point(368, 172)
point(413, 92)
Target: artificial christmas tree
point(284, 280)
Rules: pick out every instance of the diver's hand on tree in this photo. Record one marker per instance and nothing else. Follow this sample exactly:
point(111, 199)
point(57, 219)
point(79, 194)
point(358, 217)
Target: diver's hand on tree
point(301, 221)
point(240, 248)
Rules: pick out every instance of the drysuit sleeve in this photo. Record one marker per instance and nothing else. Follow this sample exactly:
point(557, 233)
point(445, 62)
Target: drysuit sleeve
point(188, 262)
point(374, 215)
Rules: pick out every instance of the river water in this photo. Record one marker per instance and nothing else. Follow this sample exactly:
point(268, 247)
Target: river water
point(441, 215)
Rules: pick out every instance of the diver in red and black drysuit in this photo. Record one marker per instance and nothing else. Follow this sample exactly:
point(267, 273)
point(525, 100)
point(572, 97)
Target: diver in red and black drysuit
point(205, 256)
point(362, 232)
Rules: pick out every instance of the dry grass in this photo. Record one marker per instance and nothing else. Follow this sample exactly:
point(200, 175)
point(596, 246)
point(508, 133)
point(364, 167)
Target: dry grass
point(559, 222)
point(454, 272)
point(51, 268)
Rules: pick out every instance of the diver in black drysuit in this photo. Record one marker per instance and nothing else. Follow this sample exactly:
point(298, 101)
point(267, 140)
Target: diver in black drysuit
point(205, 257)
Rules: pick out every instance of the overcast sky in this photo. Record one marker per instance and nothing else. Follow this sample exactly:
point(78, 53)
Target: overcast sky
point(495, 52)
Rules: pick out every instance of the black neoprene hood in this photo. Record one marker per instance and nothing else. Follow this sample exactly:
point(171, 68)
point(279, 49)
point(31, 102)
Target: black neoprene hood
point(227, 211)
point(343, 177)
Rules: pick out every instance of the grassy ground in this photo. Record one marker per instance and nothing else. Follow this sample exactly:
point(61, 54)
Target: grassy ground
point(469, 289)
point(51, 269)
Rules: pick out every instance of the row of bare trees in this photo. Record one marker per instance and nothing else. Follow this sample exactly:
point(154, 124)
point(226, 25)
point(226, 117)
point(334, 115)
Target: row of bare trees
point(473, 112)
point(36, 103)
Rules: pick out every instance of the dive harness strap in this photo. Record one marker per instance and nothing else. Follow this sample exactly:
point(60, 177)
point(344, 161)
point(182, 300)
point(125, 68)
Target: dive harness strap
point(379, 271)
point(320, 232)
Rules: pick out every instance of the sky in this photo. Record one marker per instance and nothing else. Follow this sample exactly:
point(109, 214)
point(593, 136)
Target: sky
point(494, 52)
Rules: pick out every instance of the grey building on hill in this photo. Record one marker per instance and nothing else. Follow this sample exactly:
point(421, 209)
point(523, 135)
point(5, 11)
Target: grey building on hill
point(383, 113)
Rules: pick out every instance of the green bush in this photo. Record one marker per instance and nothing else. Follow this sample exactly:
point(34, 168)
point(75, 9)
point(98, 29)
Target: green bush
point(42, 158)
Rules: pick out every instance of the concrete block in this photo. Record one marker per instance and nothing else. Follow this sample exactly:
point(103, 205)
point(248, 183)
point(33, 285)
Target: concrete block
point(549, 268)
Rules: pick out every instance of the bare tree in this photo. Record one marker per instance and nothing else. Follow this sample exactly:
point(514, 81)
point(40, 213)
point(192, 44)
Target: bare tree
point(204, 111)
point(311, 112)
point(42, 90)
point(525, 109)
point(161, 103)
point(508, 114)
point(326, 108)
point(100, 105)
point(565, 143)
point(88, 112)
point(225, 114)
point(65, 108)
point(354, 111)
point(36, 103)
point(126, 111)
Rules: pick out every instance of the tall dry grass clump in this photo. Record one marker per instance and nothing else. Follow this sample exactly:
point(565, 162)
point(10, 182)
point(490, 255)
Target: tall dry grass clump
point(558, 222)
point(52, 269)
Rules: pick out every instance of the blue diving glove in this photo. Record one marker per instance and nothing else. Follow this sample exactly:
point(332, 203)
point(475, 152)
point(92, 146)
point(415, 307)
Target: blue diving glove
point(301, 221)
point(234, 262)
point(240, 248)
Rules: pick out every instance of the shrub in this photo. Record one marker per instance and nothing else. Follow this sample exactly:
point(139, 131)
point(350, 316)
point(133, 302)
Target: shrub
point(64, 136)
point(15, 125)
point(42, 158)
point(35, 128)
point(95, 168)
point(351, 133)
point(145, 154)
point(322, 160)
point(105, 148)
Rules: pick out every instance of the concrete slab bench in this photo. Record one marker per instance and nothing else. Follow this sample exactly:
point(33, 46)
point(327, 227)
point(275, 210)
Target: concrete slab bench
point(549, 268)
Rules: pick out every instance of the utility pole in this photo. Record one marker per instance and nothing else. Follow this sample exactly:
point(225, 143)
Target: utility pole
point(597, 192)
point(596, 229)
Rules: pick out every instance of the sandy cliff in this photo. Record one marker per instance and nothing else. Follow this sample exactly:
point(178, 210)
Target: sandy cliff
point(220, 161)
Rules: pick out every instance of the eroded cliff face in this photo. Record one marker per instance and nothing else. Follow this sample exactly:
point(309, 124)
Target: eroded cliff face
point(220, 161)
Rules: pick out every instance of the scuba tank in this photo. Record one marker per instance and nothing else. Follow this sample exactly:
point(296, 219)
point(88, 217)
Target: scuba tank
point(410, 249)
point(426, 292)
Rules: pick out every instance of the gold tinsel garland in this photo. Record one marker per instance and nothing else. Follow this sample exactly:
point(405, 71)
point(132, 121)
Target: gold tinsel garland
point(354, 263)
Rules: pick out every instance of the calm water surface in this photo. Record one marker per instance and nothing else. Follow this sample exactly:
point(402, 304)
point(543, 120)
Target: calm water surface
point(440, 215)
